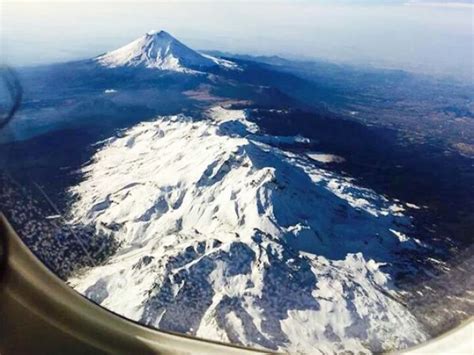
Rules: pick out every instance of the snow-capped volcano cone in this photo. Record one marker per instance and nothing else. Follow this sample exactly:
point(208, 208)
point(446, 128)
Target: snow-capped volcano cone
point(157, 50)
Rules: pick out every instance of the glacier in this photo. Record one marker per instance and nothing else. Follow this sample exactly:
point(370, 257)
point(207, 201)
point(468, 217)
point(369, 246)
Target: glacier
point(227, 237)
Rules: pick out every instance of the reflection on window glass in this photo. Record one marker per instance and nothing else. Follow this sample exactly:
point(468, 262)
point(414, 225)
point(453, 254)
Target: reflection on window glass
point(289, 180)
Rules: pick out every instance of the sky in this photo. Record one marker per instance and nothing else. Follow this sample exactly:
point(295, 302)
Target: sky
point(433, 37)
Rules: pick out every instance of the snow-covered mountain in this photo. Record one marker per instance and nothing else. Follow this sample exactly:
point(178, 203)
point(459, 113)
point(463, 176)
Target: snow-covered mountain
point(160, 50)
point(227, 237)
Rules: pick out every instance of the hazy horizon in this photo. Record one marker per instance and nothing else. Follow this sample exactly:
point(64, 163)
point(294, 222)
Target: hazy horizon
point(433, 37)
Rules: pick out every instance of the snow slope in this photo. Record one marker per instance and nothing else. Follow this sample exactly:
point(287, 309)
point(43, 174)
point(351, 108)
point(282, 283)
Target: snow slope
point(160, 50)
point(228, 238)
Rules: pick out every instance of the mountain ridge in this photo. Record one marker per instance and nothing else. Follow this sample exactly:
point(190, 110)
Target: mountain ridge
point(232, 239)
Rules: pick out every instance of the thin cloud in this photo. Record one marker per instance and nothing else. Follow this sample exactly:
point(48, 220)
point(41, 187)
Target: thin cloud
point(452, 4)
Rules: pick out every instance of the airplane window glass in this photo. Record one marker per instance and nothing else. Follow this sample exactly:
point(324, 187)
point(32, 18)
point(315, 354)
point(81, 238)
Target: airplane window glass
point(292, 176)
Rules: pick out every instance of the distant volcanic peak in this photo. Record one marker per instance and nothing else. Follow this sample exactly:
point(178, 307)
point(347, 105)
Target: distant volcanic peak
point(158, 50)
point(161, 34)
point(155, 32)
